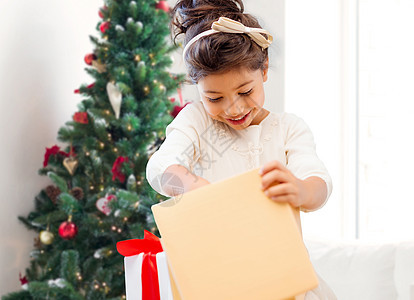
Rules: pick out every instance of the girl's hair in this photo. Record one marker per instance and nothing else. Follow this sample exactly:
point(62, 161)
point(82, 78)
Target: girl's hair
point(219, 52)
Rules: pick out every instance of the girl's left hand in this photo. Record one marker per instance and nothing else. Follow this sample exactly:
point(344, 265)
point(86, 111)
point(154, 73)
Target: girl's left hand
point(280, 185)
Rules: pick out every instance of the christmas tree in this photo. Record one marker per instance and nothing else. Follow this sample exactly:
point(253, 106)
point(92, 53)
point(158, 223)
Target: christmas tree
point(98, 193)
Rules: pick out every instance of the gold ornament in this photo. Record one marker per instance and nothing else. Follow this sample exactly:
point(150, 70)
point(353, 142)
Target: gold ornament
point(70, 164)
point(46, 237)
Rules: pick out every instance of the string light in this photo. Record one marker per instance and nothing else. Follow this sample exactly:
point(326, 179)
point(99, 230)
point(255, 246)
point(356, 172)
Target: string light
point(115, 149)
point(151, 55)
point(87, 154)
point(107, 112)
point(113, 228)
point(125, 219)
point(91, 187)
point(137, 58)
point(137, 154)
point(146, 89)
point(119, 230)
point(129, 127)
point(155, 81)
point(102, 145)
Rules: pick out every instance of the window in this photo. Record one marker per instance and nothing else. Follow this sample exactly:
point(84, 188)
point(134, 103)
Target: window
point(349, 74)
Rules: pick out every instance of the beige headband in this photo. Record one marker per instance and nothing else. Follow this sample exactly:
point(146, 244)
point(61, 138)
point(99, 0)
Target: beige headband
point(230, 26)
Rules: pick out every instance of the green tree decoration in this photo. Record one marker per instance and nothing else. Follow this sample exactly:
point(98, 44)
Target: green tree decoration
point(98, 193)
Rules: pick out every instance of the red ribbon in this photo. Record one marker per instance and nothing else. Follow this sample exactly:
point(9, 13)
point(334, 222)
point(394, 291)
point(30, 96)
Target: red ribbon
point(150, 245)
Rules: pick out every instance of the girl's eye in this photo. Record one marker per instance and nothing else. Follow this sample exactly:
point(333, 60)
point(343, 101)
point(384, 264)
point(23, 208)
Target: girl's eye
point(213, 100)
point(246, 93)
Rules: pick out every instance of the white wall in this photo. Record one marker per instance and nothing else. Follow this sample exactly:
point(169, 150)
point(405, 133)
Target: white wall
point(43, 44)
point(41, 62)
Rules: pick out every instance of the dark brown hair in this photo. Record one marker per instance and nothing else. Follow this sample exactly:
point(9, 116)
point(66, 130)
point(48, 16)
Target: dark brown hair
point(219, 52)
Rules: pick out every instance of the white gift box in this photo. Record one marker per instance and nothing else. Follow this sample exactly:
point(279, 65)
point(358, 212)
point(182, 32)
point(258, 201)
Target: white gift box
point(146, 270)
point(133, 283)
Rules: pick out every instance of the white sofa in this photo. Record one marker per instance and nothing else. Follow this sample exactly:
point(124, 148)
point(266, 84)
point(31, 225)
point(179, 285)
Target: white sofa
point(358, 270)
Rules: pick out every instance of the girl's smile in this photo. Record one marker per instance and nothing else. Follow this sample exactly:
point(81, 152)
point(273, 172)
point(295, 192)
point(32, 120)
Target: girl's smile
point(235, 97)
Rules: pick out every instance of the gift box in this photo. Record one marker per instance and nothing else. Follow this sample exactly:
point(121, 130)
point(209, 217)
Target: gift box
point(228, 240)
point(147, 276)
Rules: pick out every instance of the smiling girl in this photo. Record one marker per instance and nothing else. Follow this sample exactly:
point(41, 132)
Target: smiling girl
point(228, 132)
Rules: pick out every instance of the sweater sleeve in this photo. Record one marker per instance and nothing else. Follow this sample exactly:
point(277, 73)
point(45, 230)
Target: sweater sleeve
point(181, 146)
point(301, 157)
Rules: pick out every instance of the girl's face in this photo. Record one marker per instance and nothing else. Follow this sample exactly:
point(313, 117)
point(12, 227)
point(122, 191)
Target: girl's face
point(235, 97)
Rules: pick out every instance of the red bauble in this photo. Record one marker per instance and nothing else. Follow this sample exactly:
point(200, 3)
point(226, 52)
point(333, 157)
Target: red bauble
point(81, 117)
point(68, 230)
point(163, 5)
point(89, 58)
point(104, 26)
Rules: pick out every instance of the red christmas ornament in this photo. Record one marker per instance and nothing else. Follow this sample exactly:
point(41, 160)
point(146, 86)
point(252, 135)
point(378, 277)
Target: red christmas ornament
point(24, 282)
point(102, 9)
point(104, 26)
point(89, 58)
point(116, 169)
point(52, 151)
point(163, 5)
point(81, 117)
point(68, 230)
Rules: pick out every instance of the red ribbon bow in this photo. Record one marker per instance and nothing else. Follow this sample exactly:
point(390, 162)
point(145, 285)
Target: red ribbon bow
point(150, 245)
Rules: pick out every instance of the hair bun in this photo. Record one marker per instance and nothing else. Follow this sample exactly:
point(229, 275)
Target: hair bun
point(187, 13)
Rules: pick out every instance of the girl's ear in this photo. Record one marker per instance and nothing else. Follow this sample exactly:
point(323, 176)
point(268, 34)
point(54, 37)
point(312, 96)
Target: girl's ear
point(265, 70)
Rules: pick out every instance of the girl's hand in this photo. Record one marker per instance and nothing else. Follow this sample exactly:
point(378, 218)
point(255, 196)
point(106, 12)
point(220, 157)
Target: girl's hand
point(280, 185)
point(198, 182)
point(177, 180)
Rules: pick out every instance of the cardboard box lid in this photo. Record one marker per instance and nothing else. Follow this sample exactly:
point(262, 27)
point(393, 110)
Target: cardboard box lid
point(227, 240)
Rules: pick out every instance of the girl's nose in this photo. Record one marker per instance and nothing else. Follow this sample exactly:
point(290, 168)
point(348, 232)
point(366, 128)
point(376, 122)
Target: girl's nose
point(234, 108)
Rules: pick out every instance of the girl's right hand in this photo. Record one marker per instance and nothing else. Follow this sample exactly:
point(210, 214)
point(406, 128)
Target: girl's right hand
point(178, 180)
point(198, 182)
